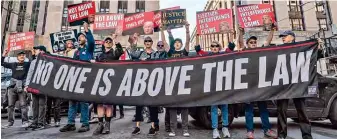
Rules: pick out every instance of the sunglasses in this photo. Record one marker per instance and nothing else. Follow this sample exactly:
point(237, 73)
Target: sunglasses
point(252, 42)
point(108, 42)
point(147, 41)
point(215, 46)
point(160, 45)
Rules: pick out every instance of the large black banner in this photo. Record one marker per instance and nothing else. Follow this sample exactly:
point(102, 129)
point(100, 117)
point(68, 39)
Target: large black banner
point(279, 72)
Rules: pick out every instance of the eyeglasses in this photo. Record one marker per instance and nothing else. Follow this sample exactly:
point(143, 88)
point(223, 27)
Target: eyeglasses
point(215, 46)
point(147, 41)
point(252, 42)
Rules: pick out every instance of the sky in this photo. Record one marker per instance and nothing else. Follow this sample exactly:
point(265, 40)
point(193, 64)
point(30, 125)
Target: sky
point(191, 6)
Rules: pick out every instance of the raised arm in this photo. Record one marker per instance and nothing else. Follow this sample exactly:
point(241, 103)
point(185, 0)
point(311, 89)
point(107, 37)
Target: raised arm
point(90, 38)
point(163, 38)
point(133, 52)
point(5, 64)
point(188, 37)
point(171, 39)
point(270, 36)
point(241, 42)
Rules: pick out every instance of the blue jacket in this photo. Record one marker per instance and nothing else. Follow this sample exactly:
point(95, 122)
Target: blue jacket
point(87, 52)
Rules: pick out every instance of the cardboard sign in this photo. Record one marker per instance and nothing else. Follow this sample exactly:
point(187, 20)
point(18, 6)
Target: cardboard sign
point(78, 13)
point(256, 15)
point(59, 40)
point(20, 41)
point(157, 17)
point(141, 23)
point(98, 48)
point(217, 21)
point(173, 18)
point(108, 23)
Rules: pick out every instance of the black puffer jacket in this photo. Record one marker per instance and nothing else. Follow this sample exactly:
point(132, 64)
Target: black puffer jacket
point(111, 55)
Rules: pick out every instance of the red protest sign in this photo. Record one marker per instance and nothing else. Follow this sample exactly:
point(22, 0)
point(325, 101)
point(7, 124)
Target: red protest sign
point(77, 13)
point(141, 23)
point(255, 15)
point(157, 17)
point(108, 23)
point(217, 21)
point(20, 41)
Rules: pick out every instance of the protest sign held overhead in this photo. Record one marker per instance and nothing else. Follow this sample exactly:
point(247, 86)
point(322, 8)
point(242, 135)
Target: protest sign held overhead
point(59, 40)
point(157, 17)
point(276, 72)
point(256, 15)
point(141, 23)
point(217, 21)
point(20, 41)
point(98, 47)
point(109, 23)
point(79, 13)
point(173, 18)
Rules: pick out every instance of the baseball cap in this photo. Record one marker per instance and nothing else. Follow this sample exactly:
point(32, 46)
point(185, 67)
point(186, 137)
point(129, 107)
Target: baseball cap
point(21, 52)
point(108, 38)
point(81, 33)
point(160, 43)
point(251, 37)
point(286, 33)
point(41, 48)
point(148, 38)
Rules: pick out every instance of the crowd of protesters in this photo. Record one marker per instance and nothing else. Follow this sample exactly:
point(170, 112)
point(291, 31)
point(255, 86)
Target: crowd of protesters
point(111, 51)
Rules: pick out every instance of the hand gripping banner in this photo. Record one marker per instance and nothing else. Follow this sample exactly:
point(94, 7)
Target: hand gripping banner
point(270, 73)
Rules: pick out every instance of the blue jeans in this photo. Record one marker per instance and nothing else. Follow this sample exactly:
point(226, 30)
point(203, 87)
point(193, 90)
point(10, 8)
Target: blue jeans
point(214, 115)
point(84, 107)
point(264, 115)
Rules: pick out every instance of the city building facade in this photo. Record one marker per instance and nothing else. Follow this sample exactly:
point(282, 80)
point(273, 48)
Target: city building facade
point(49, 16)
point(305, 18)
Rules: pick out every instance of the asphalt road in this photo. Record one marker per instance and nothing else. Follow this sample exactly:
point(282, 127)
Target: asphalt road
point(122, 128)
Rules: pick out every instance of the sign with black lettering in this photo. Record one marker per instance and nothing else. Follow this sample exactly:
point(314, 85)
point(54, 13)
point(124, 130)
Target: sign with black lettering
point(268, 73)
point(59, 40)
point(217, 21)
point(256, 15)
point(173, 18)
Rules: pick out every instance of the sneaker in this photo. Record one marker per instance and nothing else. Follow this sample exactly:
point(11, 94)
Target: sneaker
point(152, 131)
point(148, 120)
point(57, 124)
point(10, 124)
point(250, 135)
point(33, 126)
point(136, 131)
point(68, 127)
point(121, 117)
point(186, 134)
point(172, 134)
point(270, 134)
point(25, 124)
point(84, 128)
point(216, 134)
point(40, 126)
point(225, 132)
point(106, 129)
point(156, 127)
point(99, 129)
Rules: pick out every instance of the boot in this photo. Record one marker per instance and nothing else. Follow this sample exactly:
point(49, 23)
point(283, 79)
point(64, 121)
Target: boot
point(106, 129)
point(99, 129)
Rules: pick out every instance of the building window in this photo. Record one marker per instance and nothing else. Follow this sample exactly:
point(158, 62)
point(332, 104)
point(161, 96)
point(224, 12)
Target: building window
point(140, 6)
point(21, 16)
point(35, 15)
point(122, 6)
point(104, 6)
point(45, 17)
point(296, 21)
point(7, 21)
point(323, 24)
point(321, 17)
point(65, 24)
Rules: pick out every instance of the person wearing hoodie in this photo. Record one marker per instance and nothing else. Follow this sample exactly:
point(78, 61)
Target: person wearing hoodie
point(84, 52)
point(176, 51)
point(251, 43)
point(39, 100)
point(216, 49)
point(147, 54)
point(111, 51)
point(16, 87)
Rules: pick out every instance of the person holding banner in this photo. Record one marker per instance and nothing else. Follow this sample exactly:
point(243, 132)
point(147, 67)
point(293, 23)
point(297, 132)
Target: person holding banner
point(215, 49)
point(175, 51)
point(147, 54)
point(15, 88)
point(84, 52)
point(288, 37)
point(39, 101)
point(111, 51)
point(251, 43)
